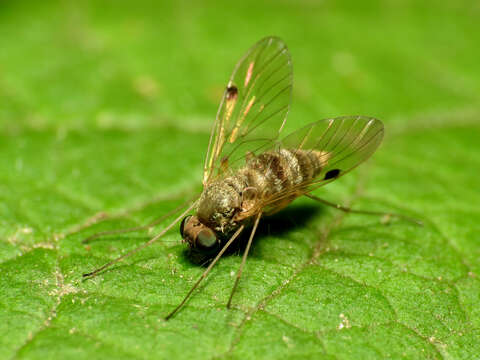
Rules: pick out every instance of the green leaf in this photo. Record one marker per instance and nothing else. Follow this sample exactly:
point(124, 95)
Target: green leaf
point(105, 111)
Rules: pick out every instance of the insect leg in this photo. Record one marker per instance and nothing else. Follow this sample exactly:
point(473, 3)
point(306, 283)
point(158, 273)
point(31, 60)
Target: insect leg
point(244, 259)
point(137, 249)
point(205, 273)
point(366, 212)
point(135, 228)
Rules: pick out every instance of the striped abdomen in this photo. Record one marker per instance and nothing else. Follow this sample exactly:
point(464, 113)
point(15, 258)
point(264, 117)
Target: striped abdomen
point(273, 172)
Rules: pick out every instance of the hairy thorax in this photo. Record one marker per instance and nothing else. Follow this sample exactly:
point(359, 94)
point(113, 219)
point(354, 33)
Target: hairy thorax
point(218, 205)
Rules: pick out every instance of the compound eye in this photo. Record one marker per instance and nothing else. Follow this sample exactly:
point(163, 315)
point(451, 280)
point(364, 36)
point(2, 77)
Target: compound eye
point(182, 225)
point(206, 239)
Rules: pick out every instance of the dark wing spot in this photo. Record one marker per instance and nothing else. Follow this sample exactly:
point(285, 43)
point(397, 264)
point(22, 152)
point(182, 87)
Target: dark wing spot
point(232, 92)
point(332, 174)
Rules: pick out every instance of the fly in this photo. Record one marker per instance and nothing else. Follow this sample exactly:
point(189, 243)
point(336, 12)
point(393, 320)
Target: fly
point(252, 171)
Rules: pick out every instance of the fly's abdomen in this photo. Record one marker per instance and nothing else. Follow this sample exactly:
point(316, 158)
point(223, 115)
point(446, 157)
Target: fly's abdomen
point(273, 172)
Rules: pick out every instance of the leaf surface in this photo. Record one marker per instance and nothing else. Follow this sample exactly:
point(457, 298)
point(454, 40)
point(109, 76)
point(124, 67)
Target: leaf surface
point(104, 122)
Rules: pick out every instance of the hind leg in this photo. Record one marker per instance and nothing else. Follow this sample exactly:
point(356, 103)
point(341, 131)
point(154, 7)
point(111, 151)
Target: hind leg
point(346, 209)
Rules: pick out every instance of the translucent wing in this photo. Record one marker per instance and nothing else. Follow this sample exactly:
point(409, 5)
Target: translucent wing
point(254, 106)
point(339, 144)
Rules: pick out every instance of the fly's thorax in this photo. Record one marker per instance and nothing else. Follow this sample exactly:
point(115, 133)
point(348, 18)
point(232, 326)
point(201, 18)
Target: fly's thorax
point(219, 203)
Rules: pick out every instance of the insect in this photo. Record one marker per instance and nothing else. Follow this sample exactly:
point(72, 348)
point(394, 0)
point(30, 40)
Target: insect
point(251, 171)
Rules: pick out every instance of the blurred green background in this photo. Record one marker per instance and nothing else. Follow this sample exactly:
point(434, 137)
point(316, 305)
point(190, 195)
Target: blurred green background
point(117, 63)
point(105, 110)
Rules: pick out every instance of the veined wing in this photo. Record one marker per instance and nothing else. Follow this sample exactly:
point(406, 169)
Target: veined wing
point(340, 144)
point(254, 107)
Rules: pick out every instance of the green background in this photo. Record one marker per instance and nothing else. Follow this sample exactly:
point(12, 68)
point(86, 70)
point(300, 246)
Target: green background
point(105, 110)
